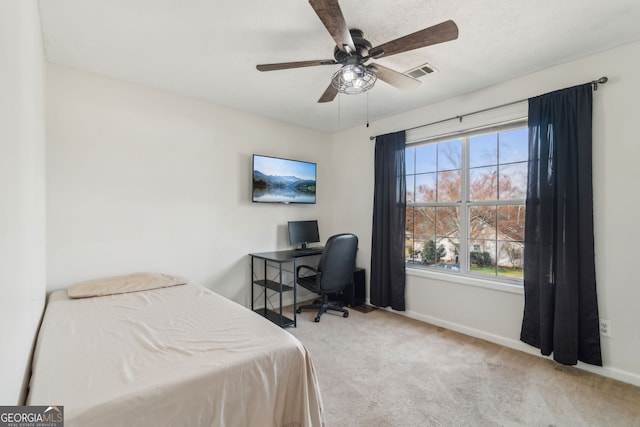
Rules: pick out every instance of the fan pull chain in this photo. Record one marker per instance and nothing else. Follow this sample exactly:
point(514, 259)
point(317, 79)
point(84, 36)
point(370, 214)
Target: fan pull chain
point(367, 109)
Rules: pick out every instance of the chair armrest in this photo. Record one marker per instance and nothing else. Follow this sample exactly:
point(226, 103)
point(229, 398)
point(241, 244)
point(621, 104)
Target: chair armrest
point(307, 267)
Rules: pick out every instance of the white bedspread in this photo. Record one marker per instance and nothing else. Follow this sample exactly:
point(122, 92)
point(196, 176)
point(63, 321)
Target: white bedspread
point(178, 356)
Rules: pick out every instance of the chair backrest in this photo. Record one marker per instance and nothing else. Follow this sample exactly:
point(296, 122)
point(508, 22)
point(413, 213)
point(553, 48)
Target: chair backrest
point(337, 262)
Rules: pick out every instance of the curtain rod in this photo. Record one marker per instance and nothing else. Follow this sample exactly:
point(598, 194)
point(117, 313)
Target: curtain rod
point(594, 83)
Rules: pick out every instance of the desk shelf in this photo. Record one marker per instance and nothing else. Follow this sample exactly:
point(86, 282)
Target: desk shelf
point(273, 285)
point(276, 318)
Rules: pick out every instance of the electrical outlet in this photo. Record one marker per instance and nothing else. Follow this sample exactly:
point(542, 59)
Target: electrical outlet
point(605, 328)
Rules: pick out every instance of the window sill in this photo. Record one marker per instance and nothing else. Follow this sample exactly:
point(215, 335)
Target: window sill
point(496, 285)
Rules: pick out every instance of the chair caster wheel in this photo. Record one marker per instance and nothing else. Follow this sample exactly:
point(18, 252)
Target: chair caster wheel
point(345, 314)
point(298, 310)
point(317, 319)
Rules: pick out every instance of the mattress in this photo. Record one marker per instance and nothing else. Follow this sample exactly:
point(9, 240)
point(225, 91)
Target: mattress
point(176, 356)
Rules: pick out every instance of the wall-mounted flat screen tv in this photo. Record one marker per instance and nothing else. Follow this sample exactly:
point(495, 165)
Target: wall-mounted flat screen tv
point(278, 180)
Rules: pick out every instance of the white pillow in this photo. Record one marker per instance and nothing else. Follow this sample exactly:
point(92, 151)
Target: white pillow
point(122, 284)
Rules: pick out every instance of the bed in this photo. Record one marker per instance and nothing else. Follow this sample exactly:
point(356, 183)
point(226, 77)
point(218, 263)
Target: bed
point(176, 355)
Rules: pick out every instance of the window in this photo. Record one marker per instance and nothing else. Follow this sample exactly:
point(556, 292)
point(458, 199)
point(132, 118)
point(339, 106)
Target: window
point(466, 202)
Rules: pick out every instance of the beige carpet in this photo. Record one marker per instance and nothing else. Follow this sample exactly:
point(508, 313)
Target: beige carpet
point(382, 369)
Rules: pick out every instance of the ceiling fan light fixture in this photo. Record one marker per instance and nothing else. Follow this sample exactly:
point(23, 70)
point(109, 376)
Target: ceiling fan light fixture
point(353, 79)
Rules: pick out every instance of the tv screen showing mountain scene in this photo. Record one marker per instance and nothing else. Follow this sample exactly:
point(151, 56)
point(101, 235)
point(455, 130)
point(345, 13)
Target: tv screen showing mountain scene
point(278, 180)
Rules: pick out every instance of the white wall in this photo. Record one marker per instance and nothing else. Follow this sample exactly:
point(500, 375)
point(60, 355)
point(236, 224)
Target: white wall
point(144, 180)
point(22, 216)
point(496, 313)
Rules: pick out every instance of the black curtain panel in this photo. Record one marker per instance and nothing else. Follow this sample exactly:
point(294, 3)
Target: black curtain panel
point(561, 307)
point(389, 218)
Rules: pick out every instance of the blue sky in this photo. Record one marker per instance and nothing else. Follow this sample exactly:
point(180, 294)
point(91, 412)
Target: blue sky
point(284, 167)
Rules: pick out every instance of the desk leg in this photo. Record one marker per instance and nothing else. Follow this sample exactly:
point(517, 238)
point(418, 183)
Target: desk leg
point(295, 298)
point(265, 289)
point(281, 315)
point(251, 282)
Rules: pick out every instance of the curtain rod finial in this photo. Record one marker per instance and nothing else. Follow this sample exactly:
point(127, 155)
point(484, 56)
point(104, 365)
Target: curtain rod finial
point(601, 80)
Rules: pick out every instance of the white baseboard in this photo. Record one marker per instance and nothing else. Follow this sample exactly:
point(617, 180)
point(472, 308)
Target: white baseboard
point(606, 371)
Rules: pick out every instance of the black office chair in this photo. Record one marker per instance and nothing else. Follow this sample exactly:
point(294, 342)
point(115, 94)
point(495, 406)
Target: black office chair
point(333, 274)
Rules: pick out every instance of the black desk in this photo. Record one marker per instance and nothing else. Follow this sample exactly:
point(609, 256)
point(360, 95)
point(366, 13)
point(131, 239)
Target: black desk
point(280, 258)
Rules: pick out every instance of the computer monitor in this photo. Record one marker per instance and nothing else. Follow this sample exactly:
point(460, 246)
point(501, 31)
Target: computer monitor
point(303, 232)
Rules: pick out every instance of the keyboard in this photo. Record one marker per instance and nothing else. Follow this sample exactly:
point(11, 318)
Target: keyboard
point(315, 250)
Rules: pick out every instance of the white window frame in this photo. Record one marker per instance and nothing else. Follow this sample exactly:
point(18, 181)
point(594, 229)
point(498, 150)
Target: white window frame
point(464, 275)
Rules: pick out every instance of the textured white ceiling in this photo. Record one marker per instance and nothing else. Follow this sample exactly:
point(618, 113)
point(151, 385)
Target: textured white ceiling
point(208, 49)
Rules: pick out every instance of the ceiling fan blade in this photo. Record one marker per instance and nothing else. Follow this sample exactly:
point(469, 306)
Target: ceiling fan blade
point(299, 64)
point(331, 16)
point(394, 78)
point(443, 32)
point(329, 94)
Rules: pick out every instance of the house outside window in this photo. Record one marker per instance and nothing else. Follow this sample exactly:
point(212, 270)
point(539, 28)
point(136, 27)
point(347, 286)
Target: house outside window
point(466, 202)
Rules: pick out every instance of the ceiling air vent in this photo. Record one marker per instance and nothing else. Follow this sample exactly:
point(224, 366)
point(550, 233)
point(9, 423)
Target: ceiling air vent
point(421, 71)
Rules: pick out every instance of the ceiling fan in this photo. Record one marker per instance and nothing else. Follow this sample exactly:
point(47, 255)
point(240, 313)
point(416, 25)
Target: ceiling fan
point(353, 51)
